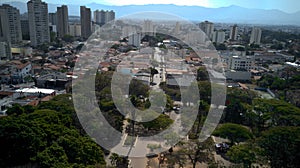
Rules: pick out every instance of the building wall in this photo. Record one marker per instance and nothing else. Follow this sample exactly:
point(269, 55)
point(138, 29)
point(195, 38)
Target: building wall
point(148, 28)
point(218, 37)
point(5, 51)
point(238, 75)
point(53, 18)
point(135, 39)
point(208, 28)
point(75, 30)
point(255, 36)
point(233, 32)
point(62, 21)
point(38, 22)
point(86, 21)
point(10, 24)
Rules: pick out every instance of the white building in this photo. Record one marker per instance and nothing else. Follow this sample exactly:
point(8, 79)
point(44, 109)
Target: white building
point(128, 30)
point(102, 17)
point(255, 35)
point(208, 28)
point(38, 22)
point(218, 36)
point(22, 69)
point(10, 24)
point(177, 28)
point(149, 28)
point(135, 39)
point(239, 62)
point(75, 30)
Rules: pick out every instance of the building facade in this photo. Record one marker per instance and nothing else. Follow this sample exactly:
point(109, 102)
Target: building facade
point(102, 17)
point(255, 36)
point(75, 29)
point(62, 21)
point(239, 62)
point(135, 39)
point(86, 21)
point(218, 36)
point(149, 28)
point(38, 22)
point(233, 32)
point(5, 51)
point(208, 28)
point(10, 24)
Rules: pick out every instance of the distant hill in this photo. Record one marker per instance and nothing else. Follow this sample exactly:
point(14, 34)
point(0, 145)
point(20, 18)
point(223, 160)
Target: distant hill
point(231, 14)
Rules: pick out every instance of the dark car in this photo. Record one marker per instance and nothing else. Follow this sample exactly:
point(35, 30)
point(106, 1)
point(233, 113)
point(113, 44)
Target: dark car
point(151, 155)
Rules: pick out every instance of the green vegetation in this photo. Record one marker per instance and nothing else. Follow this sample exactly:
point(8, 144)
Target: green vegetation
point(46, 136)
point(234, 132)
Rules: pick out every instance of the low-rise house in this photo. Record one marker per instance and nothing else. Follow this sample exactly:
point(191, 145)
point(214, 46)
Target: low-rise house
point(55, 80)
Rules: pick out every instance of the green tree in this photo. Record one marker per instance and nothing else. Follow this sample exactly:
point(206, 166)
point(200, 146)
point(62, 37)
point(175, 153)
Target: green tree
point(53, 156)
point(153, 72)
point(234, 132)
point(16, 109)
point(202, 74)
point(247, 154)
point(281, 146)
point(160, 123)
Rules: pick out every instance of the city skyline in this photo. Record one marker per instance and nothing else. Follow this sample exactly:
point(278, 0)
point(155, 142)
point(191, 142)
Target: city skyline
point(288, 6)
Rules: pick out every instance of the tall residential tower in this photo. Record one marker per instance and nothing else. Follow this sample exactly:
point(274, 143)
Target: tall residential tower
point(208, 28)
point(62, 21)
point(10, 24)
point(86, 21)
point(38, 22)
point(255, 35)
point(233, 33)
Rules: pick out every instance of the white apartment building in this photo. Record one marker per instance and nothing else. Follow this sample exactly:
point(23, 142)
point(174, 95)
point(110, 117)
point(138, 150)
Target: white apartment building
point(149, 28)
point(135, 39)
point(255, 35)
point(38, 22)
point(102, 17)
point(218, 36)
point(10, 24)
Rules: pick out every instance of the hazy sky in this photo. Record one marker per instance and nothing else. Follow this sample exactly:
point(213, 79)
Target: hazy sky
point(289, 6)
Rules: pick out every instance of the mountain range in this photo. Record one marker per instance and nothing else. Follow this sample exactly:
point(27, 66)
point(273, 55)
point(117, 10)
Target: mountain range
point(230, 14)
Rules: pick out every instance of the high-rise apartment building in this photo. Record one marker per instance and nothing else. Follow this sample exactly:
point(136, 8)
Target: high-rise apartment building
point(233, 32)
point(208, 28)
point(149, 28)
point(218, 36)
point(25, 26)
point(102, 17)
point(86, 21)
point(255, 35)
point(53, 18)
point(62, 21)
point(5, 51)
point(10, 24)
point(38, 22)
point(75, 29)
point(135, 39)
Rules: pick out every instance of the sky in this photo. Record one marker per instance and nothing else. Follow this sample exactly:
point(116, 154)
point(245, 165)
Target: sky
point(289, 6)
